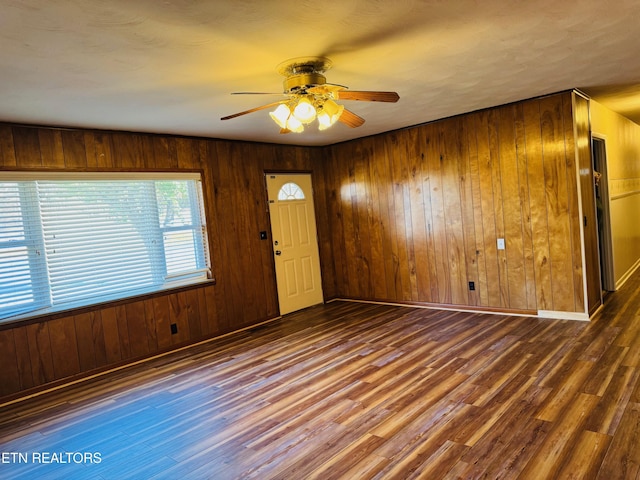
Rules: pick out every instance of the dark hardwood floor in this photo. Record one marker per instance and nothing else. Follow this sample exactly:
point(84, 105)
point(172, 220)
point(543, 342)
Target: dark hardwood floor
point(352, 390)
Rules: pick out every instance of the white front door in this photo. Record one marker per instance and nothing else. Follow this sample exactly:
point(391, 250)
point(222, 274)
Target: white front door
point(295, 242)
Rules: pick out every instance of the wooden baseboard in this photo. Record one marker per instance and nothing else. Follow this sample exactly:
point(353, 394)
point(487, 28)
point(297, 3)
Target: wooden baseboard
point(445, 306)
point(552, 314)
point(476, 309)
point(628, 274)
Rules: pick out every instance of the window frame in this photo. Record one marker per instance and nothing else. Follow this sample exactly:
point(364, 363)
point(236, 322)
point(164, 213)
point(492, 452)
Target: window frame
point(200, 230)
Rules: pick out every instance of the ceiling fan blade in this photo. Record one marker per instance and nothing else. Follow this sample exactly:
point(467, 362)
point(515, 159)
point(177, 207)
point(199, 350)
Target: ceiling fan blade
point(351, 119)
point(367, 96)
point(268, 105)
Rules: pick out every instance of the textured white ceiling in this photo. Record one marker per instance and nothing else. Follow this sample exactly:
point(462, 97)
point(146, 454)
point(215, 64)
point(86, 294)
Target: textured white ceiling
point(170, 66)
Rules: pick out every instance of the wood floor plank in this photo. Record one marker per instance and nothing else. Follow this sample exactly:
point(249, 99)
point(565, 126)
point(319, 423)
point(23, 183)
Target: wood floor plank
point(519, 453)
point(506, 436)
point(607, 415)
point(586, 456)
point(623, 456)
point(549, 457)
point(565, 393)
point(604, 370)
point(351, 390)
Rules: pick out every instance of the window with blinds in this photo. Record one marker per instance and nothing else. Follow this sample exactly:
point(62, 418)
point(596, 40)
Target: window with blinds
point(72, 240)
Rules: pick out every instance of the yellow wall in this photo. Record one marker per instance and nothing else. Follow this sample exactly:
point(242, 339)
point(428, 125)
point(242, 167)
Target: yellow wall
point(622, 140)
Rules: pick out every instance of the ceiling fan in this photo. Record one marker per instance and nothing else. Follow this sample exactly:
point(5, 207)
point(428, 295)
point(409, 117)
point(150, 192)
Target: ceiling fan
point(310, 97)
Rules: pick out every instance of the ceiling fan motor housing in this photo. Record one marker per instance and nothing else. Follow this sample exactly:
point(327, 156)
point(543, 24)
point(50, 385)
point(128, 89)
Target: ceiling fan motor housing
point(302, 81)
point(303, 72)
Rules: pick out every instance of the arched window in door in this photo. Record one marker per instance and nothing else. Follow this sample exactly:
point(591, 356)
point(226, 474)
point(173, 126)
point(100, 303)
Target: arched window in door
point(290, 191)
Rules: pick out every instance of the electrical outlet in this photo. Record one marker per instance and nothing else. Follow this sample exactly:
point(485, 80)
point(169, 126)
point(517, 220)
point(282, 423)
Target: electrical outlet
point(174, 328)
point(501, 244)
point(472, 285)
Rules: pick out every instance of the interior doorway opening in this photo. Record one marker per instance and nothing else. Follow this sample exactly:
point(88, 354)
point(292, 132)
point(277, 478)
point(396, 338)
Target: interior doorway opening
point(603, 213)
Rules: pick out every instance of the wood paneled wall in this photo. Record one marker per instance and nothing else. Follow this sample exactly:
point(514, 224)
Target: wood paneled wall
point(60, 347)
point(415, 215)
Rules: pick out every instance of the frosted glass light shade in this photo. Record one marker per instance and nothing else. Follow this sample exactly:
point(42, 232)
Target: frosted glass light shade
point(304, 111)
point(294, 125)
point(280, 115)
point(329, 115)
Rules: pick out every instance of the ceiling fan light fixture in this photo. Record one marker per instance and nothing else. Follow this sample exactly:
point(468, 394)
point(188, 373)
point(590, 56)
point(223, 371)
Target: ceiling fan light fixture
point(310, 97)
point(304, 111)
point(280, 115)
point(329, 114)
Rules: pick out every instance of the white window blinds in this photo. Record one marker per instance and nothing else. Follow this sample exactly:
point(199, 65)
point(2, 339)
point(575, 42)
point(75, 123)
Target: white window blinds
point(22, 267)
point(71, 242)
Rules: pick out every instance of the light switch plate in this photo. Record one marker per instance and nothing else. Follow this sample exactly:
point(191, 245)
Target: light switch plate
point(501, 244)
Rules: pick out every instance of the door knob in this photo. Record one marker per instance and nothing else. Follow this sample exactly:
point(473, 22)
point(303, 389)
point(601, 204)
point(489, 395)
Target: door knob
point(278, 252)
